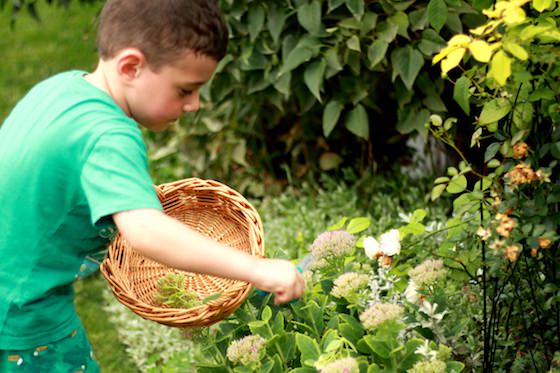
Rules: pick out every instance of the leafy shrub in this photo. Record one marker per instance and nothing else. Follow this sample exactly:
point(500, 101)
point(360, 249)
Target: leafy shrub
point(313, 84)
point(510, 198)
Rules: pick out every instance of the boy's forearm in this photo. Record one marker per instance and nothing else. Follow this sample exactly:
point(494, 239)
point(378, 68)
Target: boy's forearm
point(168, 241)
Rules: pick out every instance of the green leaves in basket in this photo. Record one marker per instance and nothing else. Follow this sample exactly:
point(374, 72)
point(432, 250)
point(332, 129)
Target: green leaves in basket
point(171, 292)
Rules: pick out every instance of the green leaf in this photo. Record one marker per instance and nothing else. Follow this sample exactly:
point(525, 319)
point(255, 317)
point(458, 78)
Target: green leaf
point(349, 328)
point(313, 77)
point(431, 42)
point(266, 314)
point(418, 215)
point(309, 16)
point(357, 122)
point(461, 94)
point(368, 23)
point(295, 58)
point(256, 21)
point(356, 7)
point(378, 346)
point(437, 13)
point(414, 228)
point(338, 225)
point(491, 151)
point(331, 114)
point(494, 110)
point(437, 191)
point(541, 5)
point(387, 31)
point(333, 4)
point(358, 225)
point(333, 345)
point(211, 298)
point(454, 366)
point(275, 23)
point(457, 184)
point(401, 20)
point(333, 63)
point(261, 328)
point(353, 43)
point(500, 67)
point(277, 324)
point(441, 179)
point(407, 62)
point(282, 84)
point(376, 52)
point(309, 349)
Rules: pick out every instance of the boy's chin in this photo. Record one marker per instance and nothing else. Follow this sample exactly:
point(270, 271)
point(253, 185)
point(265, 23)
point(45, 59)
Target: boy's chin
point(158, 127)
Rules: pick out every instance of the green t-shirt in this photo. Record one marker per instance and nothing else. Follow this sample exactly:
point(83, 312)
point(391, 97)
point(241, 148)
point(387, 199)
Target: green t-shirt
point(69, 159)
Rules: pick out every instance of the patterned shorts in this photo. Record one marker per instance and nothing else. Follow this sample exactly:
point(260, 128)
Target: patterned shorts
point(71, 354)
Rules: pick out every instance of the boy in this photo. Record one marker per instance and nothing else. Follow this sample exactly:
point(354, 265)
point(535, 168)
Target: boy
point(74, 166)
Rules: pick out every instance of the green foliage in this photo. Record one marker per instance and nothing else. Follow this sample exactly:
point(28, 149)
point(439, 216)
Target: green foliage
point(510, 87)
point(171, 292)
point(317, 84)
point(325, 330)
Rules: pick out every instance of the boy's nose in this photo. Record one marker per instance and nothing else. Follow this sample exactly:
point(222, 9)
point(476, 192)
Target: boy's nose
point(192, 103)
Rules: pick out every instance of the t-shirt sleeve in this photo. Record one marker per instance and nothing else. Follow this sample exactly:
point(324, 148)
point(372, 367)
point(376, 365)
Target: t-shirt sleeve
point(115, 176)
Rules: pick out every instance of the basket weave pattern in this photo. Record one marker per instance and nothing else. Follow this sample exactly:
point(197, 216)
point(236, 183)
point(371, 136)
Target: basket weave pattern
point(211, 208)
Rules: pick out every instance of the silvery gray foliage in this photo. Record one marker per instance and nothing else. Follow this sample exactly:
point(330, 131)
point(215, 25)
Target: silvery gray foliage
point(147, 342)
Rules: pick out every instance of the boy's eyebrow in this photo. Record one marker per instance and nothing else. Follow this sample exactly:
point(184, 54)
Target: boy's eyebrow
point(193, 83)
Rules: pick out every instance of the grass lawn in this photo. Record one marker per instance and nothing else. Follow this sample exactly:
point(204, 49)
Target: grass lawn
point(64, 40)
point(32, 51)
point(102, 333)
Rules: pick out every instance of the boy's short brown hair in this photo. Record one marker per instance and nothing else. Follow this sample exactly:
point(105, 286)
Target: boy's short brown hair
point(162, 29)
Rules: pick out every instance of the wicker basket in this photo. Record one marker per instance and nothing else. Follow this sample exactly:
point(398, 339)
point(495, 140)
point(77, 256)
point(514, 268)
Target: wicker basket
point(212, 209)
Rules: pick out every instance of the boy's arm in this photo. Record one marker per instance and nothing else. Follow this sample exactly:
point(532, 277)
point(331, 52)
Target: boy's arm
point(172, 243)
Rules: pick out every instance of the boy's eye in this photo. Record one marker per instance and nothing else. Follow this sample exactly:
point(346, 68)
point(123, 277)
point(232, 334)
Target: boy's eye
point(184, 92)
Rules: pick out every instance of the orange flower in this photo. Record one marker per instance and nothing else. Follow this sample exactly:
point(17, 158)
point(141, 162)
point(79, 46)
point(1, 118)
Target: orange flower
point(534, 252)
point(521, 174)
point(512, 252)
point(520, 150)
point(544, 242)
point(506, 225)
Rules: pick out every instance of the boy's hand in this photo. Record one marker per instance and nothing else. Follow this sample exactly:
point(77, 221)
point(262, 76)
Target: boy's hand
point(279, 277)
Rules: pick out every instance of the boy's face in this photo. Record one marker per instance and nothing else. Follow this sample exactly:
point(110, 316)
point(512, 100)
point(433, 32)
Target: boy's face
point(156, 99)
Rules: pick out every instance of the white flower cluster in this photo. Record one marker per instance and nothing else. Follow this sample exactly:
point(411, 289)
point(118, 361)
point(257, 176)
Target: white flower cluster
point(343, 365)
point(246, 350)
point(429, 366)
point(331, 244)
point(380, 313)
point(428, 272)
point(349, 283)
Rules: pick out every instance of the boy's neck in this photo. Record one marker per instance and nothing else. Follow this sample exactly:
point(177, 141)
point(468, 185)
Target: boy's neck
point(101, 78)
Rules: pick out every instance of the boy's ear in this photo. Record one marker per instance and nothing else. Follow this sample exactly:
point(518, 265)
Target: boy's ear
point(130, 63)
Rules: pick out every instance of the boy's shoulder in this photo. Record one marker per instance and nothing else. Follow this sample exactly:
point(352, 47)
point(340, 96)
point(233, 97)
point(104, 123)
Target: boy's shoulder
point(70, 91)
